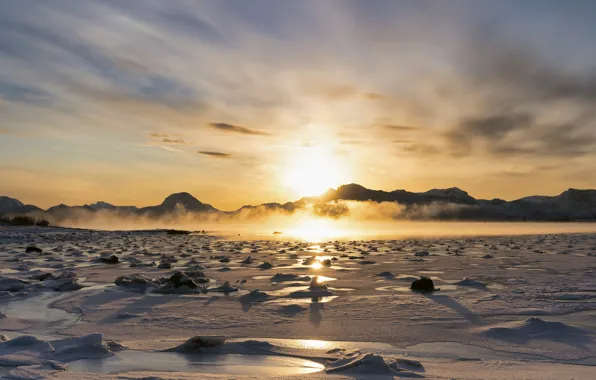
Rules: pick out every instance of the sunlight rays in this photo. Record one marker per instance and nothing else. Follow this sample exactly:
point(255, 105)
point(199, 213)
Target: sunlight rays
point(313, 171)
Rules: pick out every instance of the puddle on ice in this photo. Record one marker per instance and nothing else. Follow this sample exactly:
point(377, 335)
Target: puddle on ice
point(293, 301)
point(229, 364)
point(37, 311)
point(289, 290)
point(321, 279)
point(328, 345)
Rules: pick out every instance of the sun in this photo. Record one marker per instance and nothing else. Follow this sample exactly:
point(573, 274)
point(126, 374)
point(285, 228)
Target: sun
point(313, 171)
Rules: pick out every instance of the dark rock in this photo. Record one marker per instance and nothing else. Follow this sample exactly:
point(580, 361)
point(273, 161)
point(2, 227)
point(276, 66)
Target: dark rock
point(109, 260)
point(424, 284)
point(164, 265)
point(248, 260)
point(32, 248)
point(265, 265)
point(198, 342)
point(177, 232)
point(179, 278)
point(134, 280)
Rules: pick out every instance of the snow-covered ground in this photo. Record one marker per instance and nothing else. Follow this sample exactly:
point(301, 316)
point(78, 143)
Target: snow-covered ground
point(177, 305)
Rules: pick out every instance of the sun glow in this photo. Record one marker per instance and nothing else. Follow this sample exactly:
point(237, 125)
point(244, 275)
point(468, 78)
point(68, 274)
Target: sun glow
point(316, 230)
point(313, 172)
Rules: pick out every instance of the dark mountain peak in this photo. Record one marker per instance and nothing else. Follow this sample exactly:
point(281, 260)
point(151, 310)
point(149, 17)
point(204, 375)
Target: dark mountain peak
point(58, 207)
point(101, 205)
point(578, 196)
point(575, 192)
point(449, 191)
point(8, 204)
point(351, 191)
point(352, 187)
point(452, 194)
point(181, 198)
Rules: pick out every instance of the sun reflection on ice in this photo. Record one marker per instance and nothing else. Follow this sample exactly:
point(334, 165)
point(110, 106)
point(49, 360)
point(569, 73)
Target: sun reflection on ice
point(313, 344)
point(316, 230)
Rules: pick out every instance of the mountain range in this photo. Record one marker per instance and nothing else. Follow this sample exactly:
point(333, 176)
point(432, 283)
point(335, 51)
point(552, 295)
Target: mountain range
point(441, 204)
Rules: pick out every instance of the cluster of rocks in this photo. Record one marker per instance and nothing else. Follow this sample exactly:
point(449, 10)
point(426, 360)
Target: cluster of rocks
point(64, 282)
point(181, 282)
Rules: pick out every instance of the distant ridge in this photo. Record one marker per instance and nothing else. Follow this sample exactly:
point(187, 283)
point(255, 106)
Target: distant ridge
point(571, 205)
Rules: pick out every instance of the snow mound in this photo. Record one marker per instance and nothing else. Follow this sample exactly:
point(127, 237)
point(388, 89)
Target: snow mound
point(254, 296)
point(225, 288)
point(91, 345)
point(10, 284)
point(27, 344)
point(28, 350)
point(539, 329)
point(469, 282)
point(356, 362)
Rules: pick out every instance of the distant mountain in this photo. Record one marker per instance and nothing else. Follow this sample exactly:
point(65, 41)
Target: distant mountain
point(454, 204)
point(100, 205)
point(8, 204)
point(14, 206)
point(356, 192)
point(177, 203)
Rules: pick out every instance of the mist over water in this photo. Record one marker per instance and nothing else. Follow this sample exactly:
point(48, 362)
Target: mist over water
point(317, 230)
point(336, 220)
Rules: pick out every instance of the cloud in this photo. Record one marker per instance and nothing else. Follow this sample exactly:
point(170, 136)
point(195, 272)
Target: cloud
point(492, 128)
point(166, 139)
point(522, 72)
point(374, 96)
point(215, 154)
point(400, 128)
point(237, 129)
point(173, 141)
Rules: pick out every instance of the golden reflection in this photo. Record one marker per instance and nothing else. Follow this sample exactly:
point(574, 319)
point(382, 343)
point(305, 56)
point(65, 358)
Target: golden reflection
point(314, 344)
point(317, 265)
point(316, 230)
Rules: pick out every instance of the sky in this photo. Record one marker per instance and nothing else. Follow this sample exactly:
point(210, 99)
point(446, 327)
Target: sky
point(244, 102)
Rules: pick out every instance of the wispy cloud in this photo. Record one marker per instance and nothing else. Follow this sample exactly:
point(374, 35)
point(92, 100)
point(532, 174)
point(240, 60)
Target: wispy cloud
point(400, 128)
point(166, 139)
point(237, 129)
point(173, 141)
point(215, 154)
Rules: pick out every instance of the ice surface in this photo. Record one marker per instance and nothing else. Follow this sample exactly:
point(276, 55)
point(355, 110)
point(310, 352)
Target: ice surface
point(528, 307)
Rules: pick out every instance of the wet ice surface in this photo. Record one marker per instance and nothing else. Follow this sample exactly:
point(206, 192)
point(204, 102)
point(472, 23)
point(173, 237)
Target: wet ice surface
point(37, 315)
point(530, 298)
point(229, 364)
